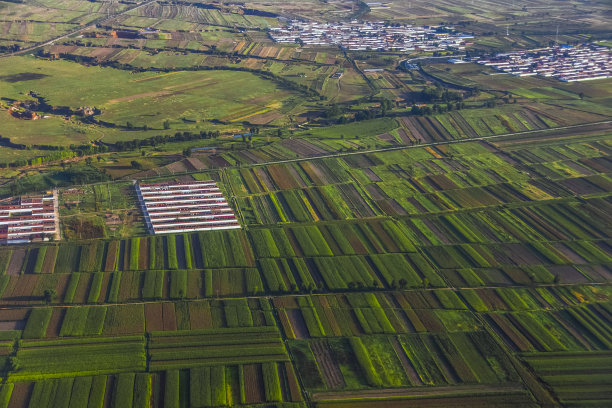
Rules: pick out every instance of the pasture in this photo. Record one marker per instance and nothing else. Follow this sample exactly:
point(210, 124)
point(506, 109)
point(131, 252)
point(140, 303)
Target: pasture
point(150, 98)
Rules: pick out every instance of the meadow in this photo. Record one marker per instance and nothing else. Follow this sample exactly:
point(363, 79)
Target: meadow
point(138, 98)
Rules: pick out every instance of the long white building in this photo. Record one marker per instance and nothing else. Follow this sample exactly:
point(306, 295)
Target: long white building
point(29, 219)
point(184, 207)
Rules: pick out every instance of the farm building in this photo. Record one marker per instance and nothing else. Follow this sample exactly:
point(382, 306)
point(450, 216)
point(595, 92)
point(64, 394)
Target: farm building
point(185, 206)
point(128, 34)
point(29, 219)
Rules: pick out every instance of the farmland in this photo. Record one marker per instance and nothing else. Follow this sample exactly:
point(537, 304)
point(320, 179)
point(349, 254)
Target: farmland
point(466, 272)
point(404, 231)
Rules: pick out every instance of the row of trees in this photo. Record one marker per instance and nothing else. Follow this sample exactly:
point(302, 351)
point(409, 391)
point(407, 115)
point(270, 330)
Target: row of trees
point(135, 144)
point(80, 174)
point(57, 153)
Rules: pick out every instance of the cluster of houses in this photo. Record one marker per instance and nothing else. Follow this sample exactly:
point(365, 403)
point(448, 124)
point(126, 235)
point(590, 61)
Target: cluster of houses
point(565, 63)
point(32, 110)
point(24, 110)
point(375, 36)
point(184, 207)
point(29, 219)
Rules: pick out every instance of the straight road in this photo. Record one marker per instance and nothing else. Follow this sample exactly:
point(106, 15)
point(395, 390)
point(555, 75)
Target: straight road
point(445, 142)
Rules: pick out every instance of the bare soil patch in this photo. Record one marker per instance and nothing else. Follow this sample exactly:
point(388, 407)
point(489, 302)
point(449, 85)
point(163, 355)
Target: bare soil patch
point(331, 371)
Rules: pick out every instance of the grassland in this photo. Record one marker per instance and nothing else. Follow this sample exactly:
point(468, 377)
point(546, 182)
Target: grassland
point(141, 99)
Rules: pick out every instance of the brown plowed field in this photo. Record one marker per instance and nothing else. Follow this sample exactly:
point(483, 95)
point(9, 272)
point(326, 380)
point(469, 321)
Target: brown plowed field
point(298, 324)
point(169, 316)
point(253, 384)
point(327, 364)
point(154, 317)
point(55, 323)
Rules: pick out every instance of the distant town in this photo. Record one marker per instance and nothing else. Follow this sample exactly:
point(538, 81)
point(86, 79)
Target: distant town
point(564, 63)
point(375, 36)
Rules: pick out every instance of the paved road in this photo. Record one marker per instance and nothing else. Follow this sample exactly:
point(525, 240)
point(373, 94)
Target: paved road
point(416, 146)
point(80, 29)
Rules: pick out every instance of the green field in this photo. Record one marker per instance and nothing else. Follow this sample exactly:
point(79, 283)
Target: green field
point(141, 99)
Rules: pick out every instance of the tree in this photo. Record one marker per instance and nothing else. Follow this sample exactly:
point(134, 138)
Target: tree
point(49, 295)
point(166, 124)
point(14, 364)
point(136, 164)
point(333, 111)
point(88, 161)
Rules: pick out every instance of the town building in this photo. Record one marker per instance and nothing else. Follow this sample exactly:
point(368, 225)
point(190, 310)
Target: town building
point(568, 64)
point(374, 36)
point(185, 206)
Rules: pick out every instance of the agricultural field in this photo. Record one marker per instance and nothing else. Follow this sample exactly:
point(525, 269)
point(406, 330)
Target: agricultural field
point(413, 232)
point(477, 271)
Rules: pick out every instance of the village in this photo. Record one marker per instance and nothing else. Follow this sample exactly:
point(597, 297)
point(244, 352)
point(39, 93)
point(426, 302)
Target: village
point(374, 36)
point(565, 63)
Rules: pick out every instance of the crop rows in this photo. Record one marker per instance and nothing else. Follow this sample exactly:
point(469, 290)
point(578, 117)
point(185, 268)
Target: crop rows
point(175, 350)
point(578, 328)
point(358, 314)
point(197, 250)
point(85, 356)
point(403, 361)
point(66, 322)
point(578, 379)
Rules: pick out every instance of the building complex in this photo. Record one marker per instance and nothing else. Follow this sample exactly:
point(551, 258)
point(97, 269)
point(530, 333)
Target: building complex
point(564, 63)
point(29, 219)
point(185, 206)
point(375, 36)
